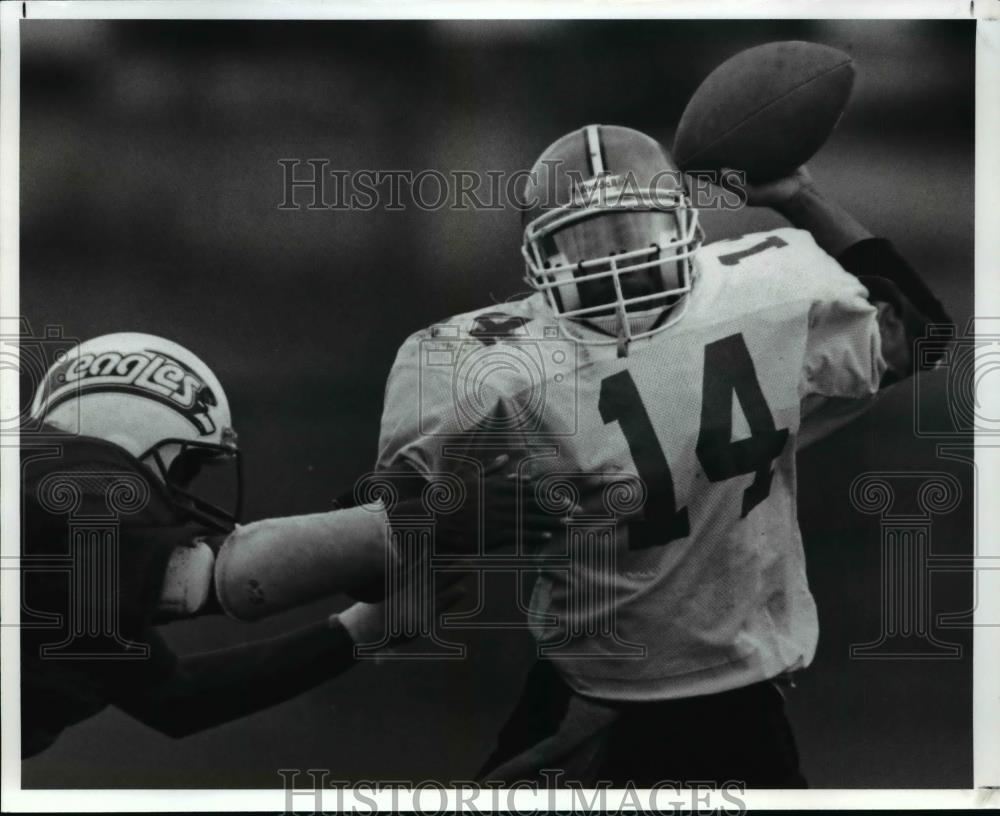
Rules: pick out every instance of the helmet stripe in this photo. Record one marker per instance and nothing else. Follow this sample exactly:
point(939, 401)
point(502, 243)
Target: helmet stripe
point(595, 150)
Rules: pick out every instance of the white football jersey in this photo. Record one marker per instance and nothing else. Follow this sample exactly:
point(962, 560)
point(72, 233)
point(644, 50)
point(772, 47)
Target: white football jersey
point(705, 589)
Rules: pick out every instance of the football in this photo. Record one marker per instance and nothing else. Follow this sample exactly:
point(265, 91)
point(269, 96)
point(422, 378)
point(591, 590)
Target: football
point(765, 111)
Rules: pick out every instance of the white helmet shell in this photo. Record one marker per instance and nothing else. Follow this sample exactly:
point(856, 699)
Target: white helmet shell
point(138, 391)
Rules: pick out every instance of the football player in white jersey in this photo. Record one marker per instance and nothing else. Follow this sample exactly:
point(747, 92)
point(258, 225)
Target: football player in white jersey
point(652, 371)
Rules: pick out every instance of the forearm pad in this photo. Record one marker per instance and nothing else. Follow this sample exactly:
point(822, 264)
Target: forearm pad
point(269, 566)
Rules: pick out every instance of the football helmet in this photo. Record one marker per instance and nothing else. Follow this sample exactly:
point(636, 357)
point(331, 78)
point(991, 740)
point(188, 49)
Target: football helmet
point(155, 399)
point(610, 233)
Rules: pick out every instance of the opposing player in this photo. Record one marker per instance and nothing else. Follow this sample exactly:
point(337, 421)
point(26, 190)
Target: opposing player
point(117, 540)
point(697, 370)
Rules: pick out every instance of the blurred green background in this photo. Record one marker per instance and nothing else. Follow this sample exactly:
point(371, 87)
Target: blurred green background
point(150, 187)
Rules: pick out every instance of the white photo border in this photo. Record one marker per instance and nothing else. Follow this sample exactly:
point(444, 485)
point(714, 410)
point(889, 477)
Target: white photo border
point(986, 690)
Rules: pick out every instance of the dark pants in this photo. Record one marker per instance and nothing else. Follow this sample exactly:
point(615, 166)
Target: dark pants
point(736, 736)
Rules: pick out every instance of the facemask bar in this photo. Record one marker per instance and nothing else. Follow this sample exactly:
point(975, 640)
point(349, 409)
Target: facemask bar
point(204, 511)
point(549, 278)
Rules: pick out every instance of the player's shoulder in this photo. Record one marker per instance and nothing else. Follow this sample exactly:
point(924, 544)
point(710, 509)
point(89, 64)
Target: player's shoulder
point(82, 474)
point(49, 454)
point(525, 318)
point(783, 265)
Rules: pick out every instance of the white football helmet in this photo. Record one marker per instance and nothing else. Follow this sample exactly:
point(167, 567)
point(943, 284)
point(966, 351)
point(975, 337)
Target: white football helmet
point(155, 399)
point(610, 233)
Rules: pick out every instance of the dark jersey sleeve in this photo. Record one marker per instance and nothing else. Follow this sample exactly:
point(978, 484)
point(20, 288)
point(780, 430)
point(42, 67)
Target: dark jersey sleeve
point(889, 277)
point(211, 688)
point(92, 580)
point(58, 692)
point(877, 258)
point(97, 532)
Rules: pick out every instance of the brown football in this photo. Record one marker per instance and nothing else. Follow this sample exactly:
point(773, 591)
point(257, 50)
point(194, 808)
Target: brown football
point(766, 110)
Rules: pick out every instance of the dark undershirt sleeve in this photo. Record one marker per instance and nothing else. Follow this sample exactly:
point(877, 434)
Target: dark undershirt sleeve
point(212, 688)
point(889, 277)
point(878, 258)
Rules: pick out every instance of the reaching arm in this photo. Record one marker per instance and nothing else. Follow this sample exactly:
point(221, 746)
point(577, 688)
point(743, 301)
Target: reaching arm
point(905, 304)
point(799, 200)
point(272, 565)
point(212, 688)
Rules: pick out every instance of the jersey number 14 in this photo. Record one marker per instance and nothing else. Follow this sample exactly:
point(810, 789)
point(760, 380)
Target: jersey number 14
point(729, 371)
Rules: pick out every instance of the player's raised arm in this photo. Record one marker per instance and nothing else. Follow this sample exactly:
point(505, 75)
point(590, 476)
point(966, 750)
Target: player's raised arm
point(765, 112)
point(905, 304)
point(798, 199)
